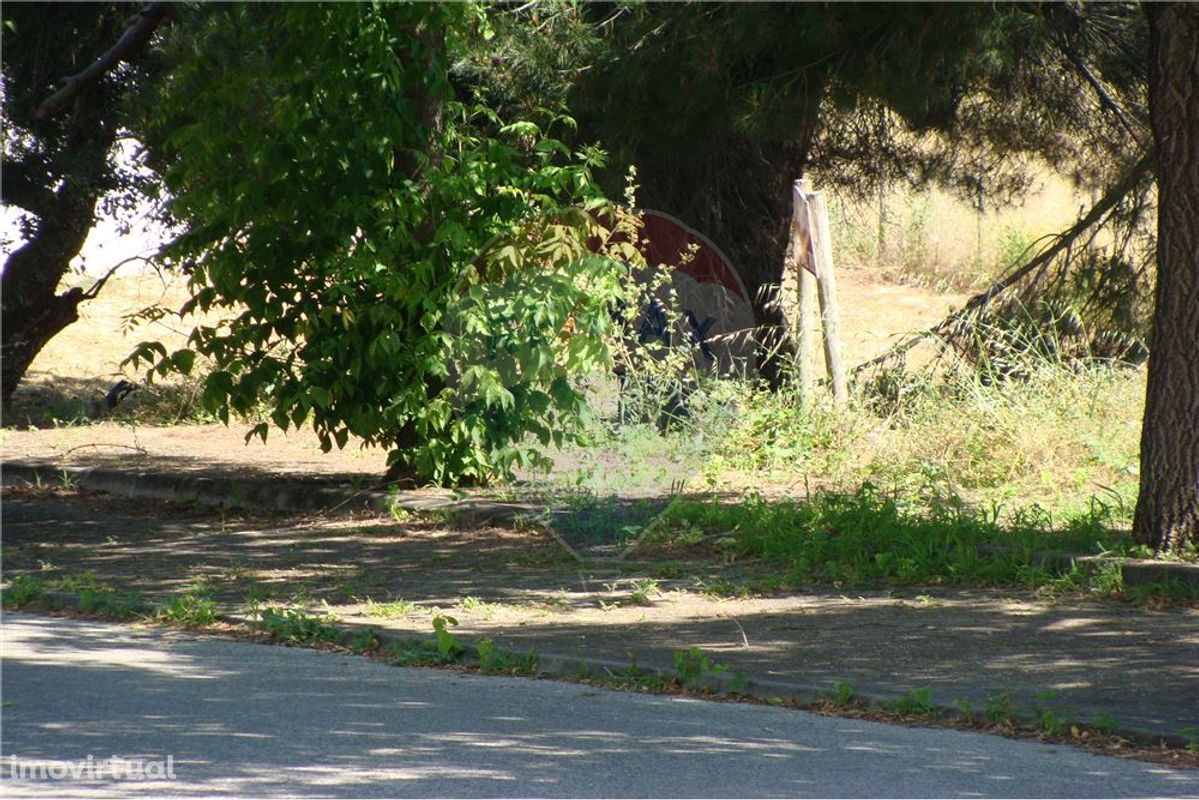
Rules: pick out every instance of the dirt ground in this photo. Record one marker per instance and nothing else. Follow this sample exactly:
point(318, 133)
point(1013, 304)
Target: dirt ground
point(1076, 658)
point(84, 361)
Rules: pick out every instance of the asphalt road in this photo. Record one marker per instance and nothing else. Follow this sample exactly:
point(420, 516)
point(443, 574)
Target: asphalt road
point(243, 719)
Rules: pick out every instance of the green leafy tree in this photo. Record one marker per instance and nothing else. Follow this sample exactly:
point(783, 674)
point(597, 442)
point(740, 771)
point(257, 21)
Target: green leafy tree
point(394, 261)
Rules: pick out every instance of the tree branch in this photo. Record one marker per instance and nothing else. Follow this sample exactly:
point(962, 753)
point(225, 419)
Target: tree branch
point(1105, 99)
point(18, 188)
point(1060, 242)
point(91, 293)
point(132, 40)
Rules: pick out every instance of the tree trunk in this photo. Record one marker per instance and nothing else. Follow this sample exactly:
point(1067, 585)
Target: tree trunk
point(32, 312)
point(1167, 514)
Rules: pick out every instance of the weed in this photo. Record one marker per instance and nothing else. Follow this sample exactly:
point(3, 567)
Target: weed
point(692, 668)
point(74, 584)
point(639, 594)
point(473, 605)
point(917, 702)
point(997, 710)
point(444, 649)
point(395, 507)
point(253, 599)
point(493, 660)
point(1047, 720)
point(843, 695)
point(1050, 723)
point(364, 641)
point(412, 653)
point(200, 586)
point(21, 590)
point(110, 602)
point(633, 670)
point(448, 646)
point(297, 626)
point(390, 609)
point(190, 610)
point(1169, 589)
point(723, 589)
point(1104, 723)
point(871, 537)
point(1107, 579)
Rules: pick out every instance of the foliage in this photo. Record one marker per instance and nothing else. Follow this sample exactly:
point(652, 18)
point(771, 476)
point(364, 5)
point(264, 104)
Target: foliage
point(496, 661)
point(191, 609)
point(22, 590)
point(868, 537)
point(693, 667)
point(448, 646)
point(917, 702)
point(394, 259)
point(967, 96)
point(297, 625)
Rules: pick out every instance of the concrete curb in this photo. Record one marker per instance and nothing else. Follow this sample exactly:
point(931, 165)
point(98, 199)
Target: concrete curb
point(267, 493)
point(712, 685)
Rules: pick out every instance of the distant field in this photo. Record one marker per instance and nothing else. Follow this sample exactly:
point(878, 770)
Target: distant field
point(936, 239)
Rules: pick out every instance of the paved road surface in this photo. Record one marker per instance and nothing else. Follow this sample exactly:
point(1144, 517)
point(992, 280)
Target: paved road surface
point(246, 719)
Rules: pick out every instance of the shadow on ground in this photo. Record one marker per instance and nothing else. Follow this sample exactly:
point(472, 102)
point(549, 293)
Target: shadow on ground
point(1079, 659)
point(238, 719)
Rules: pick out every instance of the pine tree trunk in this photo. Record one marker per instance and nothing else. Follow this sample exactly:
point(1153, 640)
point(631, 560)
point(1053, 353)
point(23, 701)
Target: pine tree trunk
point(1167, 514)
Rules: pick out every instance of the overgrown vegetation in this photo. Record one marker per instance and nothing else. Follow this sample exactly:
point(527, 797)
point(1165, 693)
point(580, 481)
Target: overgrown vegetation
point(868, 537)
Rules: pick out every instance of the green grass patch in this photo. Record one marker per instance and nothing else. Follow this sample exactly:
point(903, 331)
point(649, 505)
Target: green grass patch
point(390, 609)
point(868, 537)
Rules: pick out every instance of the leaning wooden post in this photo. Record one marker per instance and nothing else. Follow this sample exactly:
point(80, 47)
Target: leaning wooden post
point(826, 285)
point(805, 285)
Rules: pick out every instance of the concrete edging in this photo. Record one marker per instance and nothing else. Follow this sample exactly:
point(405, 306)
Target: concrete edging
point(268, 493)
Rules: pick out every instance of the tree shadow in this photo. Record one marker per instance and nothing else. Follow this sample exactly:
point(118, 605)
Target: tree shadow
point(47, 401)
point(244, 719)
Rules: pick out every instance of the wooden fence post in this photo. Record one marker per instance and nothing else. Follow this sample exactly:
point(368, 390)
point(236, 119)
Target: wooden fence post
point(826, 284)
point(813, 248)
point(801, 248)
